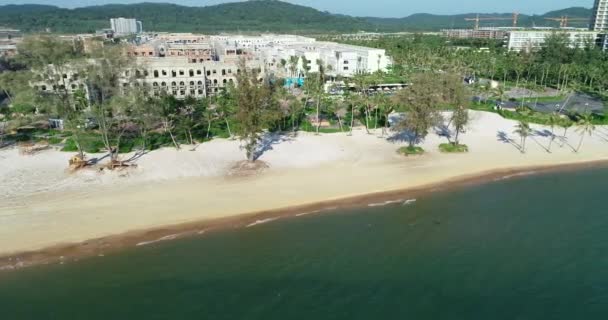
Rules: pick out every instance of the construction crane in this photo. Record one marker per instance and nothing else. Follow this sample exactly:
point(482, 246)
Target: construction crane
point(477, 19)
point(563, 20)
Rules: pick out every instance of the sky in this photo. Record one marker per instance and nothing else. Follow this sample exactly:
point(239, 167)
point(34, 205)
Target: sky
point(378, 8)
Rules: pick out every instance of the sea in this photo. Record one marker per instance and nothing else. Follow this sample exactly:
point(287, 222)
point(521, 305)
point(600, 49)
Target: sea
point(518, 247)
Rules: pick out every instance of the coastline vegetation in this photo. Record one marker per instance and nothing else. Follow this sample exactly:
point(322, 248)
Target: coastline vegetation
point(116, 120)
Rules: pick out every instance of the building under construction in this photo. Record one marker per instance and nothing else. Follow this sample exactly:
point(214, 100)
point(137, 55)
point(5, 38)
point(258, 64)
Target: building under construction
point(482, 33)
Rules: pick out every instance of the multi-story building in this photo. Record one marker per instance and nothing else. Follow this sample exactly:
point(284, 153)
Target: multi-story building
point(198, 66)
point(599, 20)
point(530, 40)
point(481, 33)
point(124, 26)
point(9, 38)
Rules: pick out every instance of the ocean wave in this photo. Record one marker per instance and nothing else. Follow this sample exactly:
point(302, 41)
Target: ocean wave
point(408, 202)
point(514, 175)
point(382, 204)
point(257, 222)
point(165, 238)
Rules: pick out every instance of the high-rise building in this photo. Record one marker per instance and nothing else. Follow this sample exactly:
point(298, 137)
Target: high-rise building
point(599, 21)
point(125, 26)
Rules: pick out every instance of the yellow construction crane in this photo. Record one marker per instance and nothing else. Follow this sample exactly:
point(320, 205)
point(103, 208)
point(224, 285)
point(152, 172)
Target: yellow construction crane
point(477, 19)
point(563, 20)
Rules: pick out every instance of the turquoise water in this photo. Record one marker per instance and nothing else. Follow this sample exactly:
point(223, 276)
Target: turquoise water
point(525, 248)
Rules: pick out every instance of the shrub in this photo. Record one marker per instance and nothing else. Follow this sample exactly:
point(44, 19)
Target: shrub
point(410, 151)
point(453, 148)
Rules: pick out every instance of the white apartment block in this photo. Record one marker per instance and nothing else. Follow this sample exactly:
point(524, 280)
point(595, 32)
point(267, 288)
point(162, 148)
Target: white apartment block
point(199, 66)
point(123, 26)
point(599, 21)
point(338, 59)
point(530, 40)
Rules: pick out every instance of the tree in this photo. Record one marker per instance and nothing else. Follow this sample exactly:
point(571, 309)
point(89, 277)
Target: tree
point(256, 109)
point(189, 115)
point(524, 131)
point(386, 107)
point(314, 88)
point(147, 116)
point(584, 126)
point(109, 100)
point(420, 100)
point(554, 121)
point(167, 109)
point(456, 94)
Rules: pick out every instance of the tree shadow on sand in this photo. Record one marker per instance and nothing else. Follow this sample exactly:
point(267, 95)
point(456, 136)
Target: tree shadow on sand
point(544, 134)
point(504, 138)
point(444, 131)
point(271, 139)
point(405, 136)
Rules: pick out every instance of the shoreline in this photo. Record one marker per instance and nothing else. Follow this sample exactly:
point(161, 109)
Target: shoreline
point(71, 252)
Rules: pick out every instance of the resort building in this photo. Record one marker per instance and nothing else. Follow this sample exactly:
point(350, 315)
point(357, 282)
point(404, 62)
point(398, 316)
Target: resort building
point(9, 38)
point(123, 26)
point(481, 33)
point(599, 20)
point(530, 40)
point(186, 65)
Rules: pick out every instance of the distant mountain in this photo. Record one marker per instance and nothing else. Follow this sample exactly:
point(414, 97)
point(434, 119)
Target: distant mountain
point(249, 16)
point(425, 21)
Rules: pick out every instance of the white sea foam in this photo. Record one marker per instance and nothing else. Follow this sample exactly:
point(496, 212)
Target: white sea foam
point(165, 238)
point(381, 204)
point(260, 222)
point(408, 202)
point(519, 174)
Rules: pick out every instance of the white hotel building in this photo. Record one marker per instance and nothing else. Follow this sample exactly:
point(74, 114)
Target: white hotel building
point(530, 40)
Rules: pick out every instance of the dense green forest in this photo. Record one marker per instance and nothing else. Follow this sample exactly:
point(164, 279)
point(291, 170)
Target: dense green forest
point(260, 15)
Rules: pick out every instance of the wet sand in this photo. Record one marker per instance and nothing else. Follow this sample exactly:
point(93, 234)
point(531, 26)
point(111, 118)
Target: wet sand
point(46, 214)
point(65, 253)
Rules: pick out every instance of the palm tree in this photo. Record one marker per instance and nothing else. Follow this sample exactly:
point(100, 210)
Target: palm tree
point(565, 124)
point(554, 121)
point(524, 130)
point(584, 126)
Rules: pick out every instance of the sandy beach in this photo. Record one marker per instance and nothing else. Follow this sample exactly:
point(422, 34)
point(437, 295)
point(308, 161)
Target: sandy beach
point(43, 205)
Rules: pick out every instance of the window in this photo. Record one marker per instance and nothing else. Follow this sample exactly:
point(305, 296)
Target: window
point(200, 91)
point(345, 68)
point(74, 87)
point(150, 53)
point(200, 83)
point(43, 88)
point(223, 72)
point(192, 83)
point(146, 73)
point(164, 84)
point(182, 92)
point(191, 72)
point(173, 84)
point(181, 84)
point(155, 84)
point(214, 71)
point(214, 81)
point(199, 72)
point(181, 72)
point(164, 72)
point(345, 61)
point(193, 60)
point(192, 91)
point(173, 73)
point(155, 73)
point(225, 81)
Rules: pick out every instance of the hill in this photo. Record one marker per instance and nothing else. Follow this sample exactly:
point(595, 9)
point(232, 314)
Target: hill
point(425, 21)
point(249, 16)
